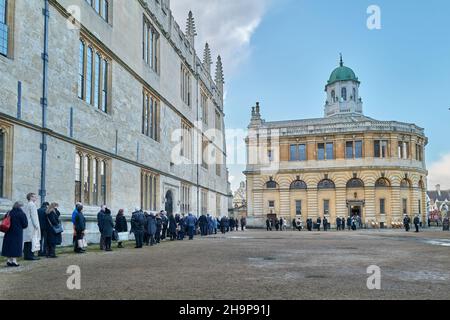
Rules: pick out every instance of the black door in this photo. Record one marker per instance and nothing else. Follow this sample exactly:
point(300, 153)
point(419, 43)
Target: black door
point(169, 202)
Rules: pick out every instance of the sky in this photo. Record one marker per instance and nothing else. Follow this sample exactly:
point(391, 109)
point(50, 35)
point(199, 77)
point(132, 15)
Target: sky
point(282, 52)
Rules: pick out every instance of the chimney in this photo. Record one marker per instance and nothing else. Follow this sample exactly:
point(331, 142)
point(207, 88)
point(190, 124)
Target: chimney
point(438, 189)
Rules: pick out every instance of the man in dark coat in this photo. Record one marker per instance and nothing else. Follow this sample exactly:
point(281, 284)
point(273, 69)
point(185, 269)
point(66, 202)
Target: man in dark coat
point(203, 224)
point(243, 223)
point(338, 223)
point(172, 227)
point(42, 223)
point(137, 227)
point(349, 223)
point(158, 228)
point(151, 228)
point(181, 227)
point(223, 225)
point(80, 227)
point(100, 215)
point(268, 225)
point(191, 222)
point(325, 224)
point(107, 227)
point(146, 234)
point(319, 222)
point(121, 225)
point(231, 224)
point(13, 240)
point(417, 223)
point(406, 223)
point(309, 224)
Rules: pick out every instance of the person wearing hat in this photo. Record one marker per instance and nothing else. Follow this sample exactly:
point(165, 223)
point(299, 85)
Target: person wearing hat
point(137, 227)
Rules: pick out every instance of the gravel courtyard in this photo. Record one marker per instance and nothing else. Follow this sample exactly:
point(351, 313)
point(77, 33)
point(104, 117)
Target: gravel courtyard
point(249, 265)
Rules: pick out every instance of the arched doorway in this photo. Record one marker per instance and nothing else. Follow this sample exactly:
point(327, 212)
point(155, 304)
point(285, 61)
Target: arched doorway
point(169, 202)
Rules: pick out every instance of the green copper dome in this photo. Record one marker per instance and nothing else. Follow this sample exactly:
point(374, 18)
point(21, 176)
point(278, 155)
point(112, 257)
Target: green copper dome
point(342, 73)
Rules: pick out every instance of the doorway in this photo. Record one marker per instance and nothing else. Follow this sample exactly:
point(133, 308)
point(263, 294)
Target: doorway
point(169, 202)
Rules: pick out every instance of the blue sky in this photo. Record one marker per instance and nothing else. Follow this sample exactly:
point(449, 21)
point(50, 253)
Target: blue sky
point(404, 68)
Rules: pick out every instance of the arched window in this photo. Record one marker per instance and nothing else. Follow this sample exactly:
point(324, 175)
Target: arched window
point(382, 183)
point(298, 185)
point(344, 94)
point(326, 184)
point(333, 96)
point(355, 183)
point(405, 184)
point(354, 94)
point(271, 184)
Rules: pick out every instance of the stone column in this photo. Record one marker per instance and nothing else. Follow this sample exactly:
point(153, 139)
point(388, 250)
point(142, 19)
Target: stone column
point(370, 207)
point(395, 213)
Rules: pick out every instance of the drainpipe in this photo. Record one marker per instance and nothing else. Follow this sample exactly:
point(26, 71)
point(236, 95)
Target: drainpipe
point(199, 145)
point(44, 102)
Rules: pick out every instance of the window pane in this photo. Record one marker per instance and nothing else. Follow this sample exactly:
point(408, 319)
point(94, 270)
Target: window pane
point(349, 150)
point(293, 153)
point(3, 28)
point(382, 206)
point(105, 10)
point(376, 148)
point(384, 149)
point(321, 151)
point(97, 6)
point(97, 80)
point(105, 86)
point(302, 151)
point(358, 149)
point(89, 75)
point(330, 155)
point(298, 207)
point(81, 71)
point(326, 207)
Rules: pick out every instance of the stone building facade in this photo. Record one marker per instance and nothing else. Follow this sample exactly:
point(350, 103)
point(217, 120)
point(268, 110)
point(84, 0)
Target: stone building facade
point(341, 165)
point(134, 118)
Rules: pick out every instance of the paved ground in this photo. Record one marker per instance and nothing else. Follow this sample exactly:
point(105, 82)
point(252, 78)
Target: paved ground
point(250, 265)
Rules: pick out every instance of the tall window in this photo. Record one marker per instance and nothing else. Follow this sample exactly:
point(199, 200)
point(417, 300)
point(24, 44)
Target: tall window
point(78, 175)
point(326, 207)
point(90, 179)
point(150, 45)
point(101, 7)
point(333, 96)
point(93, 76)
point(204, 107)
point(186, 140)
point(4, 28)
point(382, 206)
point(186, 85)
point(403, 150)
point(380, 148)
point(420, 207)
point(298, 152)
point(204, 202)
point(298, 207)
point(344, 94)
point(405, 206)
point(185, 198)
point(149, 190)
point(419, 152)
point(2, 162)
point(353, 149)
point(150, 116)
point(325, 151)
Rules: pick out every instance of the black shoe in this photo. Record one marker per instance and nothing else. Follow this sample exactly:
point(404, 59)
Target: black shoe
point(52, 257)
point(12, 265)
point(8, 264)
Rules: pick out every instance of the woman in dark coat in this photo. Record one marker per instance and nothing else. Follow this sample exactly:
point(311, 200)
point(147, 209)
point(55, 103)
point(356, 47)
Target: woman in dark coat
point(107, 227)
point(151, 228)
point(121, 225)
point(158, 228)
point(13, 240)
point(172, 227)
point(53, 239)
point(80, 227)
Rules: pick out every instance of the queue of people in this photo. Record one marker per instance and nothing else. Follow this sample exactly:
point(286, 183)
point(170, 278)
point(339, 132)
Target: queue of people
point(33, 233)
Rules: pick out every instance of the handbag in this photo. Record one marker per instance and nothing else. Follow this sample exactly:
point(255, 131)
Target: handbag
point(6, 224)
point(115, 235)
point(58, 228)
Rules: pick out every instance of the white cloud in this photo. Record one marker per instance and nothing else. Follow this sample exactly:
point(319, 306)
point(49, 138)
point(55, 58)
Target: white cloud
point(227, 26)
point(439, 173)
